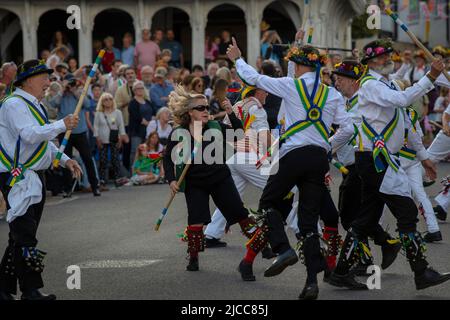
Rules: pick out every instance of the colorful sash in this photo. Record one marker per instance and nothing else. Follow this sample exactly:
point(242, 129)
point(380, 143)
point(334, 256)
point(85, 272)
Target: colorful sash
point(245, 117)
point(366, 78)
point(379, 141)
point(16, 168)
point(405, 152)
point(313, 107)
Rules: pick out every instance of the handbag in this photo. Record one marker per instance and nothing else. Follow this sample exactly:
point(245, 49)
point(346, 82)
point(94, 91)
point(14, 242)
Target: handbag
point(113, 134)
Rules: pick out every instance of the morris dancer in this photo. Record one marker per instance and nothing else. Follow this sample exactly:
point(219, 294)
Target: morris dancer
point(204, 180)
point(438, 151)
point(383, 180)
point(310, 109)
point(242, 165)
point(25, 153)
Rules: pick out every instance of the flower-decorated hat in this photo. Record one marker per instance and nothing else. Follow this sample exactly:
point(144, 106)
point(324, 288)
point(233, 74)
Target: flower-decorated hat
point(349, 68)
point(375, 49)
point(442, 51)
point(307, 56)
point(31, 68)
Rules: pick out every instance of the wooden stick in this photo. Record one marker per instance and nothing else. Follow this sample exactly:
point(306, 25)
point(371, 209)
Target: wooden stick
point(434, 123)
point(78, 107)
point(179, 182)
point(402, 25)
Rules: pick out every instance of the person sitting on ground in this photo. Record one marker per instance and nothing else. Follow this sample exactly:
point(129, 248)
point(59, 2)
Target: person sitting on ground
point(142, 168)
point(155, 152)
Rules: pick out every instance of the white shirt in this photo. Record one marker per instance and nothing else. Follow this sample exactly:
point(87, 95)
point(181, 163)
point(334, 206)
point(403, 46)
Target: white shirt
point(156, 124)
point(442, 81)
point(333, 112)
point(401, 72)
point(16, 119)
point(378, 102)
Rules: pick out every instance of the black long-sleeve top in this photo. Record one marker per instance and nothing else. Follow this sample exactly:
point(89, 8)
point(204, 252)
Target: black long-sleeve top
point(201, 173)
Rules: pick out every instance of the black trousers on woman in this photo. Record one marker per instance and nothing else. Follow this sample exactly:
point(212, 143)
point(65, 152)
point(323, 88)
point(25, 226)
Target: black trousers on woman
point(22, 234)
point(104, 161)
point(225, 196)
point(350, 192)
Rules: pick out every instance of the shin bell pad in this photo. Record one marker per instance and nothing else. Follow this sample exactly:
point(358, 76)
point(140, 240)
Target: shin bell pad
point(196, 241)
point(259, 239)
point(414, 247)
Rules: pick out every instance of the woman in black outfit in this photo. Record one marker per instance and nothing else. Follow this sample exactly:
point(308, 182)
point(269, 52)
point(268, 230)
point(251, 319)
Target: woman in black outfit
point(204, 180)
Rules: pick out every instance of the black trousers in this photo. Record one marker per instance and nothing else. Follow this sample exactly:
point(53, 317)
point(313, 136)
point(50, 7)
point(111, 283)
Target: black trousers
point(81, 143)
point(22, 233)
point(403, 208)
point(305, 168)
point(225, 196)
point(350, 193)
point(126, 153)
point(104, 161)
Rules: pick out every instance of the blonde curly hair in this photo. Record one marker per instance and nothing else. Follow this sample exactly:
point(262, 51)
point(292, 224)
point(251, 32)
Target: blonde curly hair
point(180, 102)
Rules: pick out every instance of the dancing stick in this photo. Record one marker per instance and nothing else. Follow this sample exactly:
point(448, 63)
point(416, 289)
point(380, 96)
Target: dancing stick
point(78, 107)
point(179, 182)
point(402, 25)
point(437, 125)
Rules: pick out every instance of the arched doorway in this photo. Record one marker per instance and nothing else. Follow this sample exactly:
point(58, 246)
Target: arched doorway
point(49, 23)
point(11, 45)
point(278, 16)
point(175, 19)
point(112, 22)
point(228, 17)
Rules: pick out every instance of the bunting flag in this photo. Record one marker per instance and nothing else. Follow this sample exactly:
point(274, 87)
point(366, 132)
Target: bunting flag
point(155, 157)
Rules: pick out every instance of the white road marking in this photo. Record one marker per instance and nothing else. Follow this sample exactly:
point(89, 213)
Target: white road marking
point(106, 264)
point(64, 200)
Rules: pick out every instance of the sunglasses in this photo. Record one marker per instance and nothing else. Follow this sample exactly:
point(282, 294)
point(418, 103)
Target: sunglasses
point(201, 108)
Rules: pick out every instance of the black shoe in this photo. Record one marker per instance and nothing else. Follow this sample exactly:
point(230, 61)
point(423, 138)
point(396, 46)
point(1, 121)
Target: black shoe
point(6, 296)
point(360, 270)
point(326, 275)
point(267, 253)
point(37, 295)
point(246, 271)
point(281, 262)
point(390, 252)
point(214, 243)
point(96, 193)
point(430, 278)
point(66, 194)
point(432, 236)
point(346, 281)
point(193, 264)
point(309, 292)
point(441, 214)
point(428, 183)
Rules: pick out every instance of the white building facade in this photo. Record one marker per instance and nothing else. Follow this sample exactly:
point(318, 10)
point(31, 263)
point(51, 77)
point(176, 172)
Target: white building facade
point(331, 20)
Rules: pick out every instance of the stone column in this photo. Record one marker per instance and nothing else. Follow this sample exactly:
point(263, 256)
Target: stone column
point(253, 18)
point(29, 33)
point(85, 36)
point(198, 25)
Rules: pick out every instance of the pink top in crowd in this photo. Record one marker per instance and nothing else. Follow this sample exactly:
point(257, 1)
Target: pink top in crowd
point(146, 53)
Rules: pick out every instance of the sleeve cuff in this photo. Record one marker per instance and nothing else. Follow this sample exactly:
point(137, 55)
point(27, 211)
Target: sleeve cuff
point(422, 155)
point(63, 160)
point(426, 84)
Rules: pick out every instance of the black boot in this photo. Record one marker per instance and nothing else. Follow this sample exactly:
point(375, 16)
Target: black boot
point(214, 243)
point(309, 292)
point(441, 214)
point(267, 253)
point(430, 278)
point(432, 236)
point(193, 264)
point(37, 295)
point(287, 258)
point(6, 296)
point(415, 248)
point(390, 251)
point(246, 271)
point(346, 281)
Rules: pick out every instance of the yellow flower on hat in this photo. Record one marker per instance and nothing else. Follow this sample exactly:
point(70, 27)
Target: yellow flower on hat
point(356, 70)
point(312, 56)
